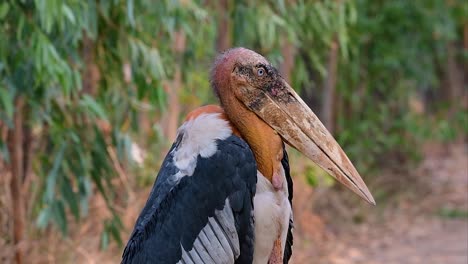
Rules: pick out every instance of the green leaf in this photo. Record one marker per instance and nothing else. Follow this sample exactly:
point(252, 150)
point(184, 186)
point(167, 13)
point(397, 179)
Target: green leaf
point(4, 152)
point(352, 16)
point(90, 103)
point(77, 80)
point(131, 18)
point(104, 239)
point(4, 7)
point(70, 196)
point(114, 229)
point(311, 177)
point(84, 186)
point(7, 101)
point(20, 27)
point(59, 216)
point(53, 174)
point(453, 213)
point(68, 14)
point(44, 217)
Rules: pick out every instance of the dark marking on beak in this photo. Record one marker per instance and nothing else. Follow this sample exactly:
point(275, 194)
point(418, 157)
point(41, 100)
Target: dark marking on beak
point(280, 92)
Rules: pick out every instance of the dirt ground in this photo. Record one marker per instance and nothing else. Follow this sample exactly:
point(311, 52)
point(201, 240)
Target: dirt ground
point(423, 223)
point(421, 218)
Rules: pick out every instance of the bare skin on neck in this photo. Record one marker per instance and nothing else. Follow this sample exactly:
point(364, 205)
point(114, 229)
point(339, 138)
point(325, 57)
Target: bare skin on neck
point(276, 256)
point(266, 144)
point(267, 147)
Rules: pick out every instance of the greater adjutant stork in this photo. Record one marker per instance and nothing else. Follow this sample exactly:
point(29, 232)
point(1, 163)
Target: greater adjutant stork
point(223, 193)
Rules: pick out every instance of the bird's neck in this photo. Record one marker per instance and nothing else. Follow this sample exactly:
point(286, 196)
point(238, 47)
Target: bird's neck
point(265, 143)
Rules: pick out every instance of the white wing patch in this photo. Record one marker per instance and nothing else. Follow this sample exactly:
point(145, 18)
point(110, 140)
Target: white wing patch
point(199, 137)
point(217, 242)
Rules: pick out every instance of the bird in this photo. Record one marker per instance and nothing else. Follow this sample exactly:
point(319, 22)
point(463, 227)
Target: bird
point(224, 191)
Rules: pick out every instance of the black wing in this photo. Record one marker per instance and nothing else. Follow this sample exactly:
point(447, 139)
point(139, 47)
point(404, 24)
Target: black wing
point(289, 238)
point(203, 218)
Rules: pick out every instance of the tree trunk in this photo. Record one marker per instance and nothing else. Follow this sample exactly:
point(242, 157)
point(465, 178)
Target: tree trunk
point(465, 36)
point(28, 154)
point(464, 65)
point(15, 148)
point(455, 80)
point(308, 93)
point(91, 72)
point(171, 117)
point(288, 51)
point(328, 102)
point(223, 40)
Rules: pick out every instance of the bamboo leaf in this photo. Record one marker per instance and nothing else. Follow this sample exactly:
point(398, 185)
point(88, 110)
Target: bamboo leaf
point(105, 239)
point(7, 101)
point(114, 229)
point(53, 174)
point(91, 104)
point(59, 216)
point(70, 197)
point(4, 7)
point(69, 14)
point(44, 217)
point(131, 18)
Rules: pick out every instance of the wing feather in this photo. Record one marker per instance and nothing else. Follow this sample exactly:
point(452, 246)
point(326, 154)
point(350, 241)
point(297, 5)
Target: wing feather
point(289, 237)
point(190, 219)
point(225, 220)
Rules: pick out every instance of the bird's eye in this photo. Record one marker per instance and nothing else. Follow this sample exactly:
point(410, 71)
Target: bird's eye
point(260, 72)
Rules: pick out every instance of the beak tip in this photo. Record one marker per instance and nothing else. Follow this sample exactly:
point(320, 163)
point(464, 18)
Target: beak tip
point(368, 196)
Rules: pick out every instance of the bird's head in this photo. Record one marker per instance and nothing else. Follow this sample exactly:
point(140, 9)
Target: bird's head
point(244, 75)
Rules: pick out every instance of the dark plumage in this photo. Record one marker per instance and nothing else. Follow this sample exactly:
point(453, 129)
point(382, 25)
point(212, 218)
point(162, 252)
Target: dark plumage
point(176, 212)
point(163, 224)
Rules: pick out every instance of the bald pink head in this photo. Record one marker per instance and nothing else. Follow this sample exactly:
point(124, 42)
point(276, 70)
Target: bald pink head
point(226, 63)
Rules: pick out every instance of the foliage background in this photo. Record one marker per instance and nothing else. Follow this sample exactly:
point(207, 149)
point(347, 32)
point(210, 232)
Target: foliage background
point(91, 92)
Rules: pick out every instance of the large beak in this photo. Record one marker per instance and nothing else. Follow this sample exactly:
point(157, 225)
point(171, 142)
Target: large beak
point(286, 112)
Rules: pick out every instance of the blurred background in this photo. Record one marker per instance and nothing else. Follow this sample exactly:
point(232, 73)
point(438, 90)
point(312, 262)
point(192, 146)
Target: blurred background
point(92, 92)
